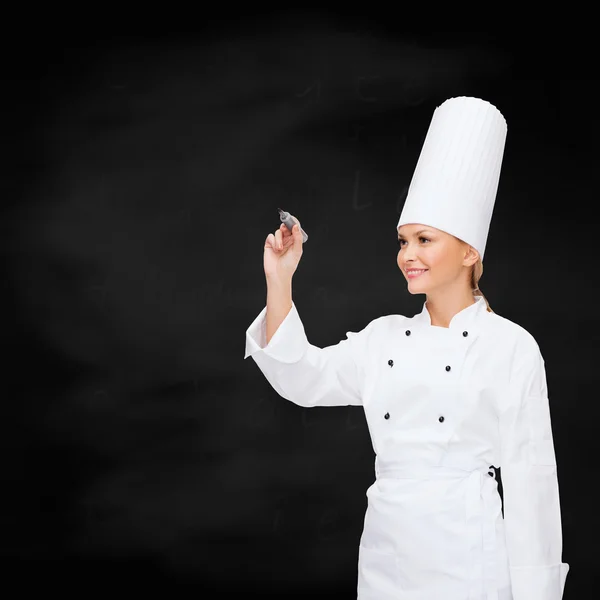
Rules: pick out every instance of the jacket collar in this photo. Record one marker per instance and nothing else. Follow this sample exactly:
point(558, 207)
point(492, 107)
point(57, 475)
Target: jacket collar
point(462, 320)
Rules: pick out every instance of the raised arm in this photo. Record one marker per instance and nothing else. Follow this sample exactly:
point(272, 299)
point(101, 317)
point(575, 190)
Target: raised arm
point(276, 340)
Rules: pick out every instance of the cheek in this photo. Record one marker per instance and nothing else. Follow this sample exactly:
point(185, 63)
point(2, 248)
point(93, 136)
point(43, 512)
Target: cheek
point(433, 258)
point(436, 257)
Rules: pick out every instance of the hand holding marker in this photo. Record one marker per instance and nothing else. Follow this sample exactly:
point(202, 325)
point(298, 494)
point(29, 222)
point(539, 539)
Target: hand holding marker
point(283, 249)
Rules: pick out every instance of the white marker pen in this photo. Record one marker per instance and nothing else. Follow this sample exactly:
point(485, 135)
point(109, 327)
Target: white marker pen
point(290, 221)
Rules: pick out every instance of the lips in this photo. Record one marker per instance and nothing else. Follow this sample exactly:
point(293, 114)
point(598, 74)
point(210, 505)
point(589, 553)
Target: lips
point(415, 273)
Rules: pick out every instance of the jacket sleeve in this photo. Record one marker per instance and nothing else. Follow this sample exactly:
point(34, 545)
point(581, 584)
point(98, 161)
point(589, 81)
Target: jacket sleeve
point(532, 515)
point(305, 374)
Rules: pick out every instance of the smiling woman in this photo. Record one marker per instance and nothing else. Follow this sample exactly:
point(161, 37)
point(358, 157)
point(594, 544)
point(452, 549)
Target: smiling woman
point(430, 257)
point(449, 395)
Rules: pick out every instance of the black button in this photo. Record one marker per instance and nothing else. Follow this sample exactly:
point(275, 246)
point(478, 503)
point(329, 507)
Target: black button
point(391, 362)
point(447, 367)
point(386, 416)
point(407, 332)
point(465, 333)
point(441, 419)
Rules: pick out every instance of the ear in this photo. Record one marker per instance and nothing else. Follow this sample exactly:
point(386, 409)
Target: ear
point(471, 256)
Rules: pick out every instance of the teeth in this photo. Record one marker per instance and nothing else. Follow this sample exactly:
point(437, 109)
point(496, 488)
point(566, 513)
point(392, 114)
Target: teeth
point(412, 272)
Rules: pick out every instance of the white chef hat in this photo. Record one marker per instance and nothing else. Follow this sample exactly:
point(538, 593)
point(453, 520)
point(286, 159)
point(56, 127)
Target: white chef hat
point(456, 178)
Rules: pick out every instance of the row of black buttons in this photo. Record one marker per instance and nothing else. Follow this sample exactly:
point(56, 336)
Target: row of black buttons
point(387, 416)
point(391, 363)
point(465, 333)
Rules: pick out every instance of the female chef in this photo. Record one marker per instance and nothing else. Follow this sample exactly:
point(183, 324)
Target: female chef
point(449, 394)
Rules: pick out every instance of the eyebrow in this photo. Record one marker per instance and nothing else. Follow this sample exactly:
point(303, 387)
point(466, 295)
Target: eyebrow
point(418, 233)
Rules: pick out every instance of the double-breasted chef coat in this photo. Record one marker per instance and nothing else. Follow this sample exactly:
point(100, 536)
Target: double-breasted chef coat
point(444, 407)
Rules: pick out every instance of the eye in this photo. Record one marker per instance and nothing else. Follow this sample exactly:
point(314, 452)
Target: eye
point(421, 238)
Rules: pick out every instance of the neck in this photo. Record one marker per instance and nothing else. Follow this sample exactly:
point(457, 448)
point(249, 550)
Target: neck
point(442, 308)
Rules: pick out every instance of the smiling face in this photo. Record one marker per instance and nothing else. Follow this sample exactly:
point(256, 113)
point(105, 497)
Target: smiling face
point(441, 261)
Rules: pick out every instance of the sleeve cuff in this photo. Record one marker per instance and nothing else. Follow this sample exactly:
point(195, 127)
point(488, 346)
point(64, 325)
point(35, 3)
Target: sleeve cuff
point(288, 344)
point(539, 583)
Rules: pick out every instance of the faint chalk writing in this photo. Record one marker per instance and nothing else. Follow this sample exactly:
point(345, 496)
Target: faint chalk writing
point(316, 85)
point(356, 129)
point(355, 194)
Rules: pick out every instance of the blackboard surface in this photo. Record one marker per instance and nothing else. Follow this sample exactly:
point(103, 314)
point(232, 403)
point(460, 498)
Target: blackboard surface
point(141, 452)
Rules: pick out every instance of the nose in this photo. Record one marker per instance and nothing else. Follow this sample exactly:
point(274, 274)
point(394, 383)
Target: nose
point(408, 254)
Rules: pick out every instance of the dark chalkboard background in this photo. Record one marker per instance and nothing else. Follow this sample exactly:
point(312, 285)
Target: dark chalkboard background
point(141, 452)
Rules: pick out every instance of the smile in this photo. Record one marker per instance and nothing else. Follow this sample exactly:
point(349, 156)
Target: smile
point(412, 273)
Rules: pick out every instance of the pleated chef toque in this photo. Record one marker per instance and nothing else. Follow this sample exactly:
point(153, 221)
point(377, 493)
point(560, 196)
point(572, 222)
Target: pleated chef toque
point(456, 178)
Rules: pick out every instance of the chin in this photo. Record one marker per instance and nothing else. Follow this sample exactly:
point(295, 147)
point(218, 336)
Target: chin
point(413, 291)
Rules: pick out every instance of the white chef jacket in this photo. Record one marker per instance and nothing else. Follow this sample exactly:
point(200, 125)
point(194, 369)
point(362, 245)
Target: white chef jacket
point(443, 405)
